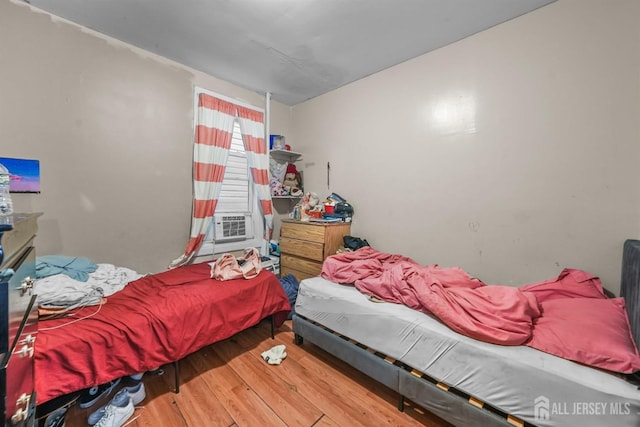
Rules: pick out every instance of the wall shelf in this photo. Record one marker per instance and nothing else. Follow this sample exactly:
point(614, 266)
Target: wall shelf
point(282, 157)
point(285, 155)
point(286, 197)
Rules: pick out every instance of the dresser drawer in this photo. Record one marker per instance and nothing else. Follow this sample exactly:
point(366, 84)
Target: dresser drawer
point(303, 231)
point(19, 370)
point(305, 245)
point(24, 230)
point(18, 321)
point(301, 264)
point(16, 293)
point(302, 248)
point(299, 275)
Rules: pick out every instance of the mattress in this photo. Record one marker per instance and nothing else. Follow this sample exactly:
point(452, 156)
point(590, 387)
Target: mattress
point(534, 386)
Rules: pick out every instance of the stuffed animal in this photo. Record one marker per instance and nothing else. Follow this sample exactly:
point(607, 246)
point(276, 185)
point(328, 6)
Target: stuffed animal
point(292, 180)
point(276, 187)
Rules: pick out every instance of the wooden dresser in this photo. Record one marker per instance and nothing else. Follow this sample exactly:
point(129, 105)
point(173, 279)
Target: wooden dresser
point(305, 245)
point(18, 321)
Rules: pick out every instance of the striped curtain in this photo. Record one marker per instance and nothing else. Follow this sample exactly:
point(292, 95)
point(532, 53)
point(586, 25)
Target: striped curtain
point(252, 129)
point(214, 129)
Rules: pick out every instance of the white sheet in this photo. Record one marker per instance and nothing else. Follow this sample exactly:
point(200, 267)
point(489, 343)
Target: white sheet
point(537, 387)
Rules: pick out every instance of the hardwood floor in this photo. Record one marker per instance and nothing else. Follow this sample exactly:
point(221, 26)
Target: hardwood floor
point(229, 384)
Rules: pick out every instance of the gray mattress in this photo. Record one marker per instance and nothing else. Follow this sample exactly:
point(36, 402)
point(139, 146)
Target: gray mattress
point(539, 388)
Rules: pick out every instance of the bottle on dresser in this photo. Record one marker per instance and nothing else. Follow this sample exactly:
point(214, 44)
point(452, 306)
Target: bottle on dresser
point(6, 204)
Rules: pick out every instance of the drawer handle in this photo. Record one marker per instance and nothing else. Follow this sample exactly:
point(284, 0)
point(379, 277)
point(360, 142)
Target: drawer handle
point(29, 339)
point(26, 285)
point(24, 399)
point(19, 416)
point(21, 413)
point(25, 351)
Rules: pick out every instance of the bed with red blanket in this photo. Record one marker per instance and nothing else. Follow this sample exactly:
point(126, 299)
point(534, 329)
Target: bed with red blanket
point(553, 353)
point(155, 320)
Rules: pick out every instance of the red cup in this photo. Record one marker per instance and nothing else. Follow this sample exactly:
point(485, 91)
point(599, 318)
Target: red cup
point(328, 208)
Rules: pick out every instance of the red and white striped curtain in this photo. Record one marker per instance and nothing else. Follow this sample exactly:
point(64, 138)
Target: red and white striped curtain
point(252, 129)
point(214, 129)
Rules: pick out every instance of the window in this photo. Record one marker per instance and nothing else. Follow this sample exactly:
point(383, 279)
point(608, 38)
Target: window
point(235, 192)
point(237, 222)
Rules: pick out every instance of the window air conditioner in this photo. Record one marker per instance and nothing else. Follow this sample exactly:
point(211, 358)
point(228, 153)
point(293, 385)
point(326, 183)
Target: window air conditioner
point(231, 227)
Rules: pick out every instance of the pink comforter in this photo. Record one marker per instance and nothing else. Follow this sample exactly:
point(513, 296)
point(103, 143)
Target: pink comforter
point(501, 314)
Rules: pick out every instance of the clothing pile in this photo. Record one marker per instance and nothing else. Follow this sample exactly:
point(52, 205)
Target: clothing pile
point(290, 286)
point(228, 267)
point(64, 283)
point(336, 207)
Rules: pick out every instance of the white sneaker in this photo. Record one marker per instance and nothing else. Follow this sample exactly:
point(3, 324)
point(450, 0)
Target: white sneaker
point(134, 393)
point(115, 416)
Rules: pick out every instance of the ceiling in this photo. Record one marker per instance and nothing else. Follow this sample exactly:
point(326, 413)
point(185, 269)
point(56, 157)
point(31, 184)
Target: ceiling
point(294, 49)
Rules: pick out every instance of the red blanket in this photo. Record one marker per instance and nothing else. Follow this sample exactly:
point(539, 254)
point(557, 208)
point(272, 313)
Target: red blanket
point(556, 316)
point(155, 320)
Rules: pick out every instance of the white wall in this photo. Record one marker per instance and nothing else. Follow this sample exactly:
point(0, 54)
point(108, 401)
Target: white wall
point(512, 153)
point(112, 126)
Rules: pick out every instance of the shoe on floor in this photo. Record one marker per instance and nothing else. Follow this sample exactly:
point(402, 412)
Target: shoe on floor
point(137, 377)
point(136, 393)
point(91, 395)
point(116, 415)
point(56, 418)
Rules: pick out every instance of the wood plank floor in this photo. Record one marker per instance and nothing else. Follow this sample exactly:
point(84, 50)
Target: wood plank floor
point(229, 384)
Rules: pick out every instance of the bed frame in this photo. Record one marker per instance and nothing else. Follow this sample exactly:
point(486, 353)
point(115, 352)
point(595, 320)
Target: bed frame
point(424, 391)
point(448, 403)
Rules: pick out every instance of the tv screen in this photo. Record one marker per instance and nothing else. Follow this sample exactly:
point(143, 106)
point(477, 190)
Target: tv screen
point(25, 174)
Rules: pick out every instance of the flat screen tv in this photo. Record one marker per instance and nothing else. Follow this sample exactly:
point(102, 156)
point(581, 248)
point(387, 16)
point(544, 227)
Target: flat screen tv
point(25, 174)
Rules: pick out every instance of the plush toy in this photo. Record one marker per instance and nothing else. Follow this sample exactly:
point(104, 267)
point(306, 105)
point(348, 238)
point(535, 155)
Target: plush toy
point(310, 206)
point(276, 187)
point(292, 180)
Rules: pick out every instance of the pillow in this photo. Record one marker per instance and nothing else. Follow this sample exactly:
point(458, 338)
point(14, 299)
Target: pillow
point(592, 331)
point(570, 283)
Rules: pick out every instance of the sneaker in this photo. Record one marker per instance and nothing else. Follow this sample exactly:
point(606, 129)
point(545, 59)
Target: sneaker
point(136, 393)
point(136, 377)
point(56, 418)
point(116, 415)
point(91, 395)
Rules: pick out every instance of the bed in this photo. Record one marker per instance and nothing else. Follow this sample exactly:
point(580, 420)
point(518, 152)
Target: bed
point(155, 320)
point(463, 380)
